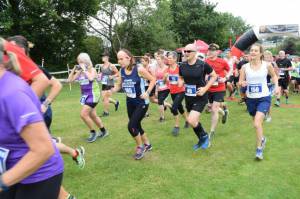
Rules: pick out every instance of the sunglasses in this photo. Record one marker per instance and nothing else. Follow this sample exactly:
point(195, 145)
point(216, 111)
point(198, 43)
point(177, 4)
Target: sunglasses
point(189, 51)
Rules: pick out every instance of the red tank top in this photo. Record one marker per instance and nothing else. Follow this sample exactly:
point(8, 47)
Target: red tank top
point(173, 76)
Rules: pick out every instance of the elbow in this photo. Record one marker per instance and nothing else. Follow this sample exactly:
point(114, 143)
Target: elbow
point(47, 151)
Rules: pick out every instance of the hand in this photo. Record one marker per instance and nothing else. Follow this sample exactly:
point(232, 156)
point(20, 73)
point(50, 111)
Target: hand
point(44, 108)
point(277, 90)
point(201, 91)
point(243, 84)
point(144, 96)
point(83, 67)
point(222, 79)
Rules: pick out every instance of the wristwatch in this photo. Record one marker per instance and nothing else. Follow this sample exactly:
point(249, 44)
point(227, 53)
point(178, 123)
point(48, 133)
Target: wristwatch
point(3, 186)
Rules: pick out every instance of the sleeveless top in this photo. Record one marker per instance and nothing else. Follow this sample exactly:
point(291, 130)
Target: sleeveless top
point(106, 72)
point(161, 85)
point(90, 91)
point(257, 86)
point(173, 77)
point(134, 86)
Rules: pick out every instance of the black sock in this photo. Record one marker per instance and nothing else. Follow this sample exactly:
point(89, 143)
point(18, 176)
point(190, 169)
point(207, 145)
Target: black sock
point(278, 99)
point(286, 97)
point(102, 129)
point(199, 131)
point(93, 131)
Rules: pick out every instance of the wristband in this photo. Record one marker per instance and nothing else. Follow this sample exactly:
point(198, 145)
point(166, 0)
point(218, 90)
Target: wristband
point(3, 186)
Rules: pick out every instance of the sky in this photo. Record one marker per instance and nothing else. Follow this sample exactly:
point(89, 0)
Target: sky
point(262, 12)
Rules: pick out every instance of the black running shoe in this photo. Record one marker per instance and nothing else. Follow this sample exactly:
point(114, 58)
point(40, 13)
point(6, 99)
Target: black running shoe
point(117, 105)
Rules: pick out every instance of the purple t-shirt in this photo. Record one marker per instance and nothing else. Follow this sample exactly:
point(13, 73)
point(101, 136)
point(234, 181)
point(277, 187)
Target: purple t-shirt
point(19, 107)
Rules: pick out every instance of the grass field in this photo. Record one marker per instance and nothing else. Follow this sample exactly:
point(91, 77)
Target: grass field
point(172, 169)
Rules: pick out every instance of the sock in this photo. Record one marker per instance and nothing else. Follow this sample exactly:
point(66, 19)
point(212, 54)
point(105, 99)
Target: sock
point(93, 131)
point(286, 97)
point(199, 131)
point(102, 129)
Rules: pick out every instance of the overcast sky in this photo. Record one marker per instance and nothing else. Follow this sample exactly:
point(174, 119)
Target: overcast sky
point(262, 12)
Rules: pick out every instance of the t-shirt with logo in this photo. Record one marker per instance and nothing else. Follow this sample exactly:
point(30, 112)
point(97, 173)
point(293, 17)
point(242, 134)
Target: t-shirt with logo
point(283, 63)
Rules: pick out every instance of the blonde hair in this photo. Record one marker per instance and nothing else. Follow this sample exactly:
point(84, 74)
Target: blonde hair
point(12, 64)
point(267, 52)
point(85, 58)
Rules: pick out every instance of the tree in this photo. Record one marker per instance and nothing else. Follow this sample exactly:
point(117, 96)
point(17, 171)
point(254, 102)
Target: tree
point(56, 27)
point(94, 47)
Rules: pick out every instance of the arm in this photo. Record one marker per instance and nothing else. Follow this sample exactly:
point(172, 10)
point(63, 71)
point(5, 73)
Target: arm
point(117, 85)
point(55, 89)
point(145, 74)
point(74, 74)
point(39, 84)
point(91, 74)
point(242, 79)
point(202, 90)
point(115, 71)
point(274, 78)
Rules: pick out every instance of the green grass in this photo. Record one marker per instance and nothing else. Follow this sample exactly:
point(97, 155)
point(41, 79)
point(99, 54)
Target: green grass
point(172, 169)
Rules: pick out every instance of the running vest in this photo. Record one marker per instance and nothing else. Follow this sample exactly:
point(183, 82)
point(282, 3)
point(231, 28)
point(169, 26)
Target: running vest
point(160, 83)
point(257, 86)
point(90, 91)
point(173, 77)
point(106, 72)
point(133, 85)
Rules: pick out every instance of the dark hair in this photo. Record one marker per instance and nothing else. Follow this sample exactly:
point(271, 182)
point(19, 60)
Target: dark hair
point(132, 60)
point(146, 59)
point(12, 63)
point(261, 49)
point(148, 55)
point(21, 41)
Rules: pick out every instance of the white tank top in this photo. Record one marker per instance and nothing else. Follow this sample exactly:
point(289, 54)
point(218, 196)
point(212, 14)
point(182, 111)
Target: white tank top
point(257, 85)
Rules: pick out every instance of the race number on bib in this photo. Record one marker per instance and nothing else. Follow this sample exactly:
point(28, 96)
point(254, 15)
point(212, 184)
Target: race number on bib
point(104, 79)
point(281, 72)
point(190, 90)
point(3, 157)
point(83, 99)
point(130, 91)
point(173, 79)
point(255, 88)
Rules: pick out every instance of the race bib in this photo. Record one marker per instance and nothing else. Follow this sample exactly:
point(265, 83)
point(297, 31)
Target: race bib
point(104, 79)
point(161, 84)
point(190, 90)
point(281, 72)
point(83, 99)
point(3, 157)
point(130, 91)
point(255, 88)
point(173, 79)
point(84, 82)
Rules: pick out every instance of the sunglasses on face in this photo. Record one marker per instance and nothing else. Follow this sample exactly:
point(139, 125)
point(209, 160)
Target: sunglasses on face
point(189, 51)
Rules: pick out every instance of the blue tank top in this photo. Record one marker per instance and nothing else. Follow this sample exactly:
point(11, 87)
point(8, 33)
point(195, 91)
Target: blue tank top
point(134, 86)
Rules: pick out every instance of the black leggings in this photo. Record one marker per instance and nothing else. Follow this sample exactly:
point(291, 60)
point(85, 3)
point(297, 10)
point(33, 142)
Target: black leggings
point(177, 103)
point(47, 189)
point(162, 95)
point(136, 112)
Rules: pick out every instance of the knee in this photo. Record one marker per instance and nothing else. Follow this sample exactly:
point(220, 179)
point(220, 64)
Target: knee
point(84, 114)
point(132, 129)
point(174, 110)
point(192, 122)
point(257, 124)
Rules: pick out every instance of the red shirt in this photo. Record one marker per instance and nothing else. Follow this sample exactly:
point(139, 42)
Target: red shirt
point(173, 76)
point(221, 67)
point(28, 68)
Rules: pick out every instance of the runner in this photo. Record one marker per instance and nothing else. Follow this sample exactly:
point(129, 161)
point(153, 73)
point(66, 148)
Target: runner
point(31, 166)
point(242, 89)
point(295, 75)
point(86, 74)
point(230, 75)
point(192, 73)
point(253, 75)
point(108, 73)
point(218, 89)
point(284, 66)
point(177, 93)
point(131, 81)
point(162, 86)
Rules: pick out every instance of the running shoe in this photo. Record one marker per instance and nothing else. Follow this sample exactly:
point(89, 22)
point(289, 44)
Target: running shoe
point(286, 101)
point(79, 159)
point(71, 197)
point(147, 147)
point(186, 125)
point(242, 101)
point(175, 131)
point(105, 114)
point(277, 103)
point(203, 143)
point(103, 134)
point(139, 153)
point(161, 119)
point(117, 105)
point(211, 135)
point(93, 137)
point(225, 116)
point(268, 118)
point(263, 142)
point(259, 154)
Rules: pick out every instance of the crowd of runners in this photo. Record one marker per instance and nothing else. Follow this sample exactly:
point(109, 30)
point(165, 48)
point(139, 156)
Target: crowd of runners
point(30, 163)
